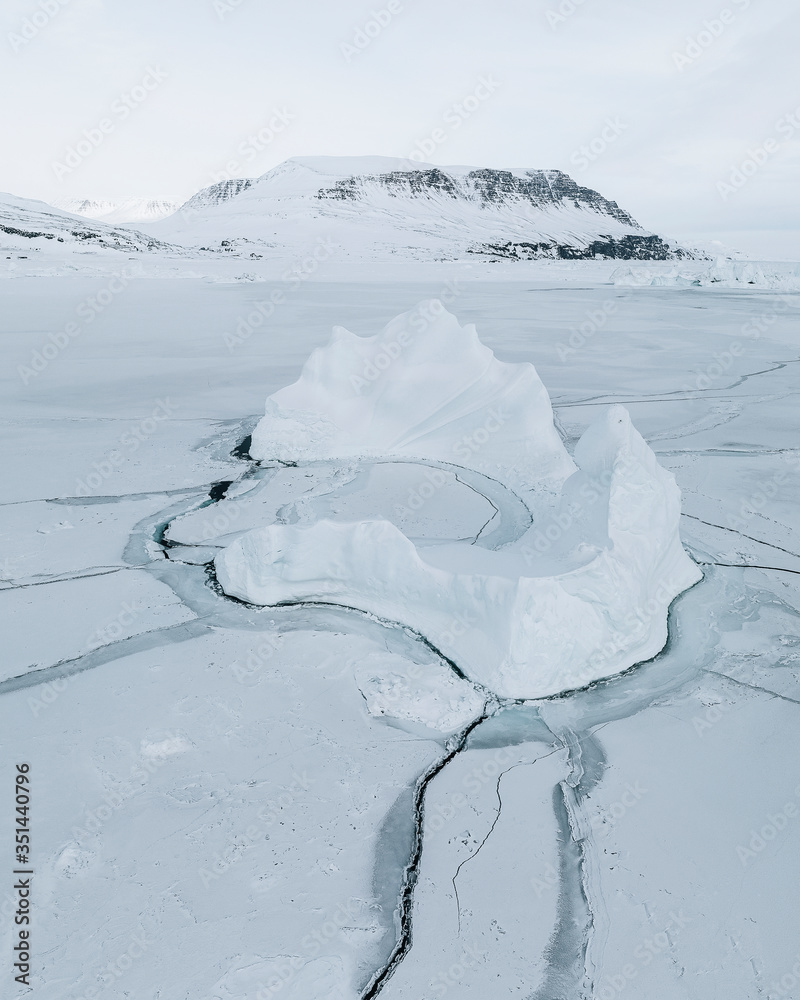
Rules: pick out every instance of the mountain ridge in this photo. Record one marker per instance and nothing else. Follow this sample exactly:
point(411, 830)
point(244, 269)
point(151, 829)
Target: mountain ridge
point(363, 209)
point(27, 223)
point(381, 207)
point(119, 211)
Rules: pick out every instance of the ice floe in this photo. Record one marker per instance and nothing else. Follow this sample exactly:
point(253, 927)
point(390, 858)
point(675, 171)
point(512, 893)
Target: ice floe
point(724, 273)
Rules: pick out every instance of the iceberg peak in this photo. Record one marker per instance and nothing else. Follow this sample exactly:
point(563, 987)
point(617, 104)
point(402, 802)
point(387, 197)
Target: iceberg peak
point(425, 387)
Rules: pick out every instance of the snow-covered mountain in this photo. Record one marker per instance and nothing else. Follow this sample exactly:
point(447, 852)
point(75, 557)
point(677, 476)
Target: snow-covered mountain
point(217, 194)
point(369, 208)
point(115, 212)
point(375, 207)
point(27, 224)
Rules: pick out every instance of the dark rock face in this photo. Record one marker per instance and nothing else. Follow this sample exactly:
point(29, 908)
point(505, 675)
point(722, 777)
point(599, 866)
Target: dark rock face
point(606, 248)
point(539, 188)
point(533, 189)
point(542, 188)
point(128, 240)
point(217, 193)
point(29, 234)
point(398, 183)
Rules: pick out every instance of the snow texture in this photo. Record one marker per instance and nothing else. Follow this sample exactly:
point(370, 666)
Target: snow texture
point(427, 694)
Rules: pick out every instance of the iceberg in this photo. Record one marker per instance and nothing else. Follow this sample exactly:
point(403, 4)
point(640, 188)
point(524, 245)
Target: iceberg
point(423, 388)
point(582, 594)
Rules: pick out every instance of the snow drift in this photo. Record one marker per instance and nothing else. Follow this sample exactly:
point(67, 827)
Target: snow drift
point(583, 594)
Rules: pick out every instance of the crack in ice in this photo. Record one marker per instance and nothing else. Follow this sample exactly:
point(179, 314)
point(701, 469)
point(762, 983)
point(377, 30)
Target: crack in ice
point(406, 899)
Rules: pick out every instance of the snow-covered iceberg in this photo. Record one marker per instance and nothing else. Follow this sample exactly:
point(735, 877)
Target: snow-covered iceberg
point(581, 595)
point(423, 388)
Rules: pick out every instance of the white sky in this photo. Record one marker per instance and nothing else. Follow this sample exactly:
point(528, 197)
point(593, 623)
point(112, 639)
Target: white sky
point(229, 68)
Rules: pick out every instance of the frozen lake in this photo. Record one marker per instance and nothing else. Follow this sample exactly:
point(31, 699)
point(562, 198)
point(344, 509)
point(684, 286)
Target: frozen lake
point(216, 813)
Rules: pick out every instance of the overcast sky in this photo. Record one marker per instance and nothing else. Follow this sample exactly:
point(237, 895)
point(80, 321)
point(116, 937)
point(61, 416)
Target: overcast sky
point(669, 97)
